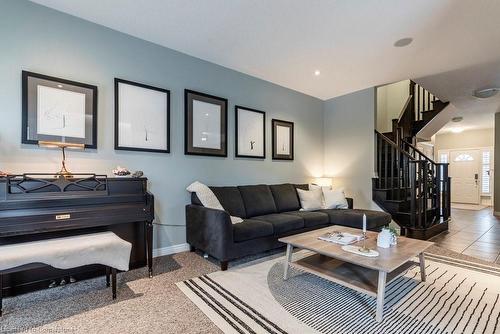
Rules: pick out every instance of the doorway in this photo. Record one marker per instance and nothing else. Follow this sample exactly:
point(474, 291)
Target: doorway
point(465, 167)
point(464, 171)
point(465, 164)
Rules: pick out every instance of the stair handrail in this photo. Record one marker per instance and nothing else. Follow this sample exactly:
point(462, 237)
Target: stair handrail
point(415, 149)
point(393, 144)
point(407, 103)
point(406, 117)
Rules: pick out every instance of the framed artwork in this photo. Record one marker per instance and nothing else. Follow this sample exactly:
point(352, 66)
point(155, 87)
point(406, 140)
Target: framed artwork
point(205, 124)
point(58, 110)
point(142, 117)
point(282, 132)
point(250, 133)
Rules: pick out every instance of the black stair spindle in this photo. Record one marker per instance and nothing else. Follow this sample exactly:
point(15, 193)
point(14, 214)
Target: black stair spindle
point(428, 101)
point(386, 184)
point(379, 160)
point(425, 187)
point(417, 112)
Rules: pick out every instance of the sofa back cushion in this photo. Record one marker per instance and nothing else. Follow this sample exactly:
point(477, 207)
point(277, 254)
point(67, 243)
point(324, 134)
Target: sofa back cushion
point(285, 197)
point(229, 198)
point(301, 186)
point(195, 200)
point(258, 200)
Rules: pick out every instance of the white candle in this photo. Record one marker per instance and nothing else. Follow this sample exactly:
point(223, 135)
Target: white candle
point(364, 223)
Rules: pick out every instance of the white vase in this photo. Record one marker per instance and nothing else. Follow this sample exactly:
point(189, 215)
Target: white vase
point(384, 239)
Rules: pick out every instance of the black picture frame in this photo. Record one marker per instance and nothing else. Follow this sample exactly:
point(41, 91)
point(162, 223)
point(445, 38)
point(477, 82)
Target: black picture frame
point(189, 146)
point(236, 127)
point(276, 154)
point(30, 82)
point(118, 146)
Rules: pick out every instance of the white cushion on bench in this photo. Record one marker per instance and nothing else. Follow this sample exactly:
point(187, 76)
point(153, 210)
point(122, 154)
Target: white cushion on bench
point(104, 248)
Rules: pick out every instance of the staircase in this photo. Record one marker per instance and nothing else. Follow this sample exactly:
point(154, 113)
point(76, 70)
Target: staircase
point(413, 188)
point(420, 108)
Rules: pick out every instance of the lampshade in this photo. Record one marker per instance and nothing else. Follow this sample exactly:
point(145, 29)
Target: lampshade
point(324, 181)
point(58, 144)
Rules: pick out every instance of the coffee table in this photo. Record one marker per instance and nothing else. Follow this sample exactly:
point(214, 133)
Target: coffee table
point(369, 275)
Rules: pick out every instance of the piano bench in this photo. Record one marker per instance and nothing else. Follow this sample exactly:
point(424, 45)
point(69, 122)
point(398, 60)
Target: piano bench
point(104, 248)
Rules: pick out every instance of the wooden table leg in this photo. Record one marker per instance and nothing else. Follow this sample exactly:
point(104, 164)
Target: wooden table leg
point(113, 282)
point(108, 272)
point(289, 249)
point(380, 296)
point(149, 246)
point(422, 266)
point(1, 294)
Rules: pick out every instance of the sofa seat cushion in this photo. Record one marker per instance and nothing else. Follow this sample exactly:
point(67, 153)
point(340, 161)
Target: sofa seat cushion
point(282, 222)
point(311, 218)
point(252, 229)
point(354, 218)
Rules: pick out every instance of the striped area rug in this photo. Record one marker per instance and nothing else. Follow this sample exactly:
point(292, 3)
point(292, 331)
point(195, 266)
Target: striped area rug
point(458, 297)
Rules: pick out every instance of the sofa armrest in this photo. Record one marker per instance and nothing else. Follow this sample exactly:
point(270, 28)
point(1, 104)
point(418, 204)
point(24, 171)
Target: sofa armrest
point(209, 230)
point(350, 202)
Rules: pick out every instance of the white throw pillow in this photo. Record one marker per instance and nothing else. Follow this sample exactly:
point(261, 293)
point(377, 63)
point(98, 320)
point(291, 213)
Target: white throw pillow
point(335, 199)
point(310, 199)
point(208, 198)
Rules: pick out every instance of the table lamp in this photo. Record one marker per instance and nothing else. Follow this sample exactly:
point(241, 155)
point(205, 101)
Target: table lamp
point(63, 146)
point(324, 182)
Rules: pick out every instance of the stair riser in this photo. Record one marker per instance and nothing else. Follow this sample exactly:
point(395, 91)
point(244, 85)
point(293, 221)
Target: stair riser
point(428, 233)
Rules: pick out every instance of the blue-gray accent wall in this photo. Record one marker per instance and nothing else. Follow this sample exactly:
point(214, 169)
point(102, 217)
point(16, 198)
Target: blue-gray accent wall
point(39, 39)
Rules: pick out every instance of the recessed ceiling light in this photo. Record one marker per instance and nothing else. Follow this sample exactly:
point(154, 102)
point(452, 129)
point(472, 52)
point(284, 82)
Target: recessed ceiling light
point(457, 130)
point(317, 73)
point(457, 119)
point(403, 42)
point(485, 93)
point(60, 86)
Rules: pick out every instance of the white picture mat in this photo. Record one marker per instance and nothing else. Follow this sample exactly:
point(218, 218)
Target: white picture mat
point(60, 112)
point(142, 120)
point(206, 125)
point(250, 133)
point(282, 140)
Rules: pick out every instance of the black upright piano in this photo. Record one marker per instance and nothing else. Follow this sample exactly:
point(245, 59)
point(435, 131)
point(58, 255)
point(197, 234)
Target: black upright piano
point(39, 206)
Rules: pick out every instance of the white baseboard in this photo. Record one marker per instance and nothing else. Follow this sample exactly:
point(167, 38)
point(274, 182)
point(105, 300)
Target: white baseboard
point(170, 250)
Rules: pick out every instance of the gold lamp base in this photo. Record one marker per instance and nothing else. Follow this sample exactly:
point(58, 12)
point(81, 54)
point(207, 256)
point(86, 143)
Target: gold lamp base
point(64, 172)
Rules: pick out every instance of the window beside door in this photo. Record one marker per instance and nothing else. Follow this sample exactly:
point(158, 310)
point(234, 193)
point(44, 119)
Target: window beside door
point(486, 173)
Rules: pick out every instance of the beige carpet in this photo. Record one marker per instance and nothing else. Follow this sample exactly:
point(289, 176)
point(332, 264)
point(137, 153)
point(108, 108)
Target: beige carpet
point(143, 305)
point(473, 207)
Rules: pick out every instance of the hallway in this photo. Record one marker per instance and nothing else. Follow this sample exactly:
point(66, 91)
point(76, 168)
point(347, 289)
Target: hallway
point(473, 233)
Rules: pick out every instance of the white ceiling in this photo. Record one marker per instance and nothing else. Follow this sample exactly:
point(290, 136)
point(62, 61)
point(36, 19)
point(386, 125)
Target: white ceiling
point(458, 86)
point(285, 41)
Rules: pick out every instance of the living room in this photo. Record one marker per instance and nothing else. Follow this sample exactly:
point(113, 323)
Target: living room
point(116, 116)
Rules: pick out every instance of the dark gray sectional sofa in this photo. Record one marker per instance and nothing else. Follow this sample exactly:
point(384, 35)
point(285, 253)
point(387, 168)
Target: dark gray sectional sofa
point(269, 212)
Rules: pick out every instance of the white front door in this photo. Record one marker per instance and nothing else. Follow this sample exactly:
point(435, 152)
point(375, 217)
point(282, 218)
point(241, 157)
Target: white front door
point(464, 172)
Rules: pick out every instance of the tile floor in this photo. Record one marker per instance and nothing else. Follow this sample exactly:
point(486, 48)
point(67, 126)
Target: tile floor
point(473, 233)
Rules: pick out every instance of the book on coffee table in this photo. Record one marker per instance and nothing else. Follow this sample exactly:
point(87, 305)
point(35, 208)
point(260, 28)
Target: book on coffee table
point(341, 238)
